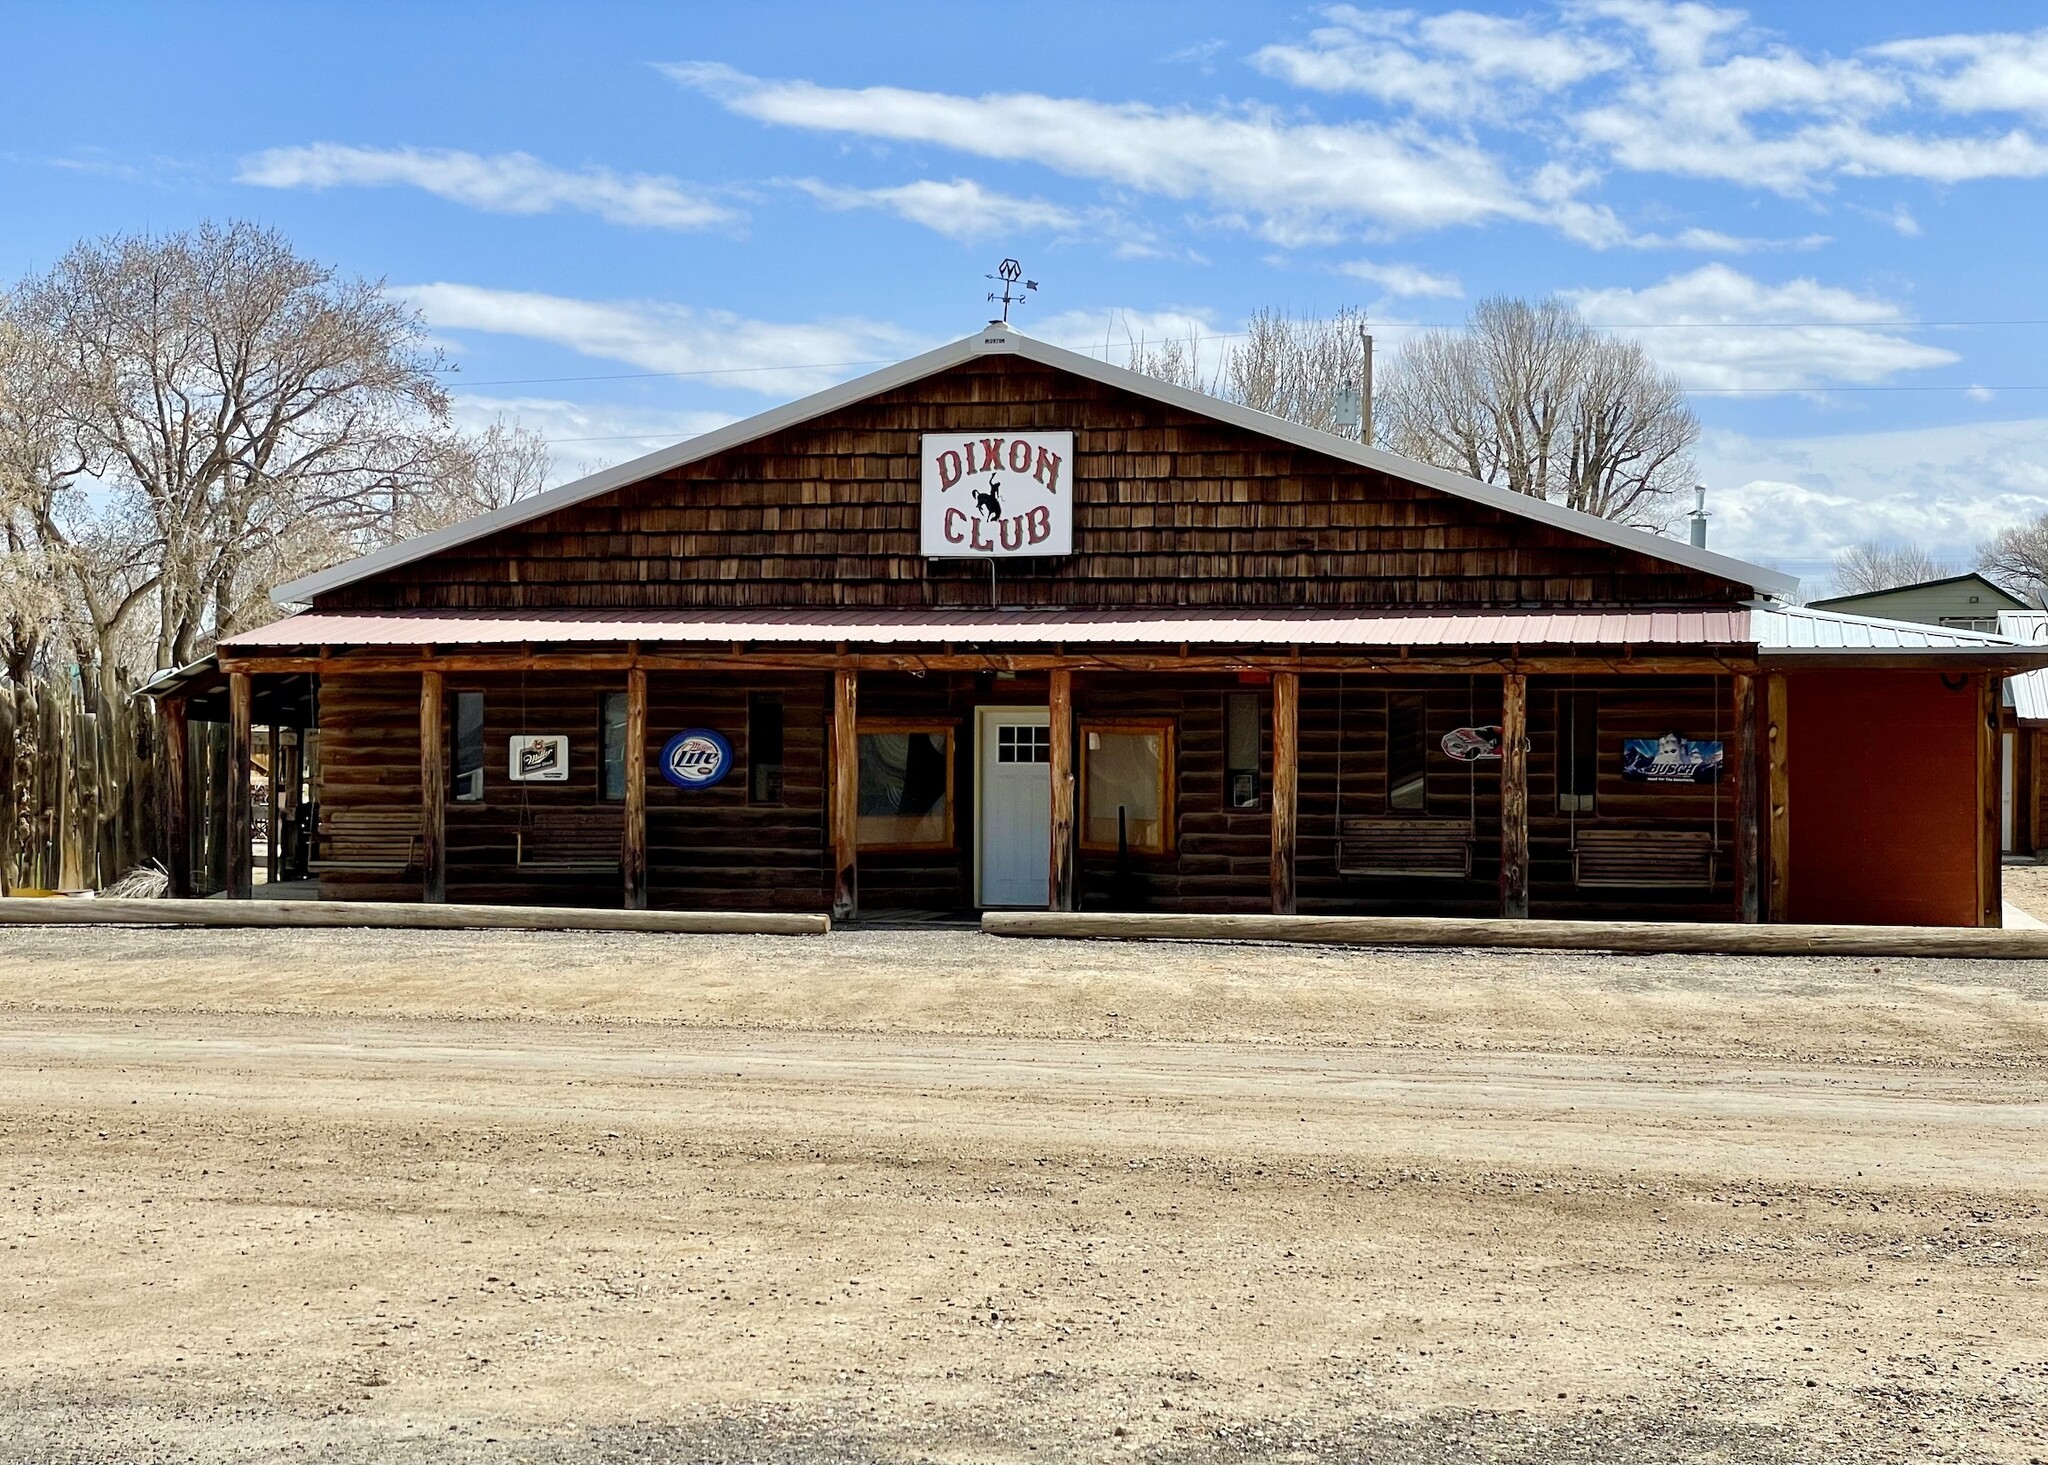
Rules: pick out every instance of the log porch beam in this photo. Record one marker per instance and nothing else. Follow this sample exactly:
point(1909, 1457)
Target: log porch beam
point(1748, 904)
point(1060, 875)
point(633, 840)
point(1286, 783)
point(433, 789)
point(1514, 797)
point(239, 878)
point(845, 795)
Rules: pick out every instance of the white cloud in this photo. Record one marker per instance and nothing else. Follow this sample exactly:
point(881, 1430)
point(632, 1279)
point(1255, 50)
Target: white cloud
point(1403, 280)
point(1460, 64)
point(1720, 329)
point(500, 183)
point(732, 351)
point(1298, 181)
point(585, 436)
point(1797, 501)
point(1709, 100)
point(961, 209)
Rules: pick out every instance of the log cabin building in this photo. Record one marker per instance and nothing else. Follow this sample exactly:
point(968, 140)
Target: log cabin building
point(1005, 626)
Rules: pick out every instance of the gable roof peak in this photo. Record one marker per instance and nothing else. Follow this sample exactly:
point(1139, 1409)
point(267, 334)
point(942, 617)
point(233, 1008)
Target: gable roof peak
point(999, 338)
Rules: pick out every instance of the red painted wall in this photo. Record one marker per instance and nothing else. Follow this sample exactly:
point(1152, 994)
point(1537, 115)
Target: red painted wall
point(1883, 798)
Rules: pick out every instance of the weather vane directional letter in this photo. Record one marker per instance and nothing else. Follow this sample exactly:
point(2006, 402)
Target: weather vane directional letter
point(1010, 273)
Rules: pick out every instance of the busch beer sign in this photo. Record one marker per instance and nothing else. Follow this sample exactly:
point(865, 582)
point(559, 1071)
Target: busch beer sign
point(998, 497)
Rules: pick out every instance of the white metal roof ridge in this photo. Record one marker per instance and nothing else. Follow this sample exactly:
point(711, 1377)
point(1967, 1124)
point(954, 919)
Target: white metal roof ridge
point(2026, 693)
point(1798, 628)
point(1007, 340)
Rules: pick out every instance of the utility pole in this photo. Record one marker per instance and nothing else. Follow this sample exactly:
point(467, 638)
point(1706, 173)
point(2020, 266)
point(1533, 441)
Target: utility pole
point(1365, 396)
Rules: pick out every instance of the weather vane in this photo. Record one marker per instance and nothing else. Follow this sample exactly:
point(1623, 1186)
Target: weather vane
point(1010, 273)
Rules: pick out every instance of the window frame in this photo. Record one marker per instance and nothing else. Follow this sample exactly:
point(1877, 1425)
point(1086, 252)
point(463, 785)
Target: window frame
point(781, 764)
point(604, 727)
point(1588, 801)
point(455, 772)
point(1422, 807)
point(1169, 764)
point(936, 727)
point(1230, 770)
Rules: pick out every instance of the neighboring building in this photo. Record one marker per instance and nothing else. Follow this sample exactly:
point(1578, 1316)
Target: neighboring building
point(2023, 738)
point(1961, 602)
point(1006, 626)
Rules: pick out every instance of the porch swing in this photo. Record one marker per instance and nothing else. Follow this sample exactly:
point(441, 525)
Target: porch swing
point(1426, 849)
point(567, 840)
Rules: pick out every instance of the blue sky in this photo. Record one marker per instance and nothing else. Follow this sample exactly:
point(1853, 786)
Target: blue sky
point(1825, 219)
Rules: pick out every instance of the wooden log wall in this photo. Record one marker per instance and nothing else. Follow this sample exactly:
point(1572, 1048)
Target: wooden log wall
point(1646, 707)
point(706, 848)
point(1170, 509)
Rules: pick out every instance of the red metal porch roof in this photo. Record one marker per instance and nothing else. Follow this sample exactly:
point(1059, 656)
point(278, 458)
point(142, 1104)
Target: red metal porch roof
point(1277, 626)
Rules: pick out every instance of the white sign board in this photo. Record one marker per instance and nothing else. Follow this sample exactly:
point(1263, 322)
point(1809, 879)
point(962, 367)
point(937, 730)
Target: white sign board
point(998, 497)
point(539, 758)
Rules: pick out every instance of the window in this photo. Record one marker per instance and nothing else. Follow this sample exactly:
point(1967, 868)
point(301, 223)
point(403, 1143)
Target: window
point(1023, 744)
point(469, 747)
point(1407, 752)
point(1578, 751)
point(1241, 750)
point(1971, 623)
point(906, 786)
point(611, 742)
point(1127, 786)
point(764, 748)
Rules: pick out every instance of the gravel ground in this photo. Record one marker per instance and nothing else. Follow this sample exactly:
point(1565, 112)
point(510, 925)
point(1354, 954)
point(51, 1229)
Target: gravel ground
point(926, 1195)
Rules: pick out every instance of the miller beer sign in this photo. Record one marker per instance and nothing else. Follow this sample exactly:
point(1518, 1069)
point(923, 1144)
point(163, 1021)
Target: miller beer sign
point(998, 496)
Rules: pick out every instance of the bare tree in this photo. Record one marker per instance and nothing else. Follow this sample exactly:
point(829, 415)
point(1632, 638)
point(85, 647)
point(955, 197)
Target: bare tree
point(1531, 398)
point(1862, 569)
point(1291, 366)
point(216, 390)
point(184, 421)
point(2017, 558)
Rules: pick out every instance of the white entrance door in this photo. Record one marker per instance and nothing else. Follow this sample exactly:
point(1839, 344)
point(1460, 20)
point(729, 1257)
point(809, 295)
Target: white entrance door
point(2005, 782)
point(1013, 806)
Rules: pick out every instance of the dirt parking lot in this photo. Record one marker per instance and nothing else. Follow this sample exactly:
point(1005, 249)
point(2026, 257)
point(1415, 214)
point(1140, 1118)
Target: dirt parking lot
point(929, 1195)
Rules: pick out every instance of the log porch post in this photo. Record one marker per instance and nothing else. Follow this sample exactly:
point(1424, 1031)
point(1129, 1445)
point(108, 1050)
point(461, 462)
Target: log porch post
point(1746, 894)
point(633, 842)
point(433, 788)
point(1514, 796)
point(1286, 782)
point(1060, 881)
point(270, 827)
point(1778, 790)
point(845, 800)
point(239, 880)
point(177, 796)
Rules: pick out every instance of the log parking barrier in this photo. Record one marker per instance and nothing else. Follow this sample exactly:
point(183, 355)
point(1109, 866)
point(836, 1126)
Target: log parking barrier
point(1671, 937)
point(401, 916)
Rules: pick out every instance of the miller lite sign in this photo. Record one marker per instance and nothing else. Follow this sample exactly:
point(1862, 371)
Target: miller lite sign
point(998, 496)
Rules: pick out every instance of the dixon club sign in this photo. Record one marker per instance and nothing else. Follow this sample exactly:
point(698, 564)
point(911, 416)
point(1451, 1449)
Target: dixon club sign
point(998, 497)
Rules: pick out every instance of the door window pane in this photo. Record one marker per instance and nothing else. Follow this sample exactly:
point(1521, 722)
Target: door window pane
point(764, 748)
point(1241, 750)
point(1023, 744)
point(1407, 751)
point(469, 747)
point(906, 788)
point(612, 721)
point(1124, 792)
